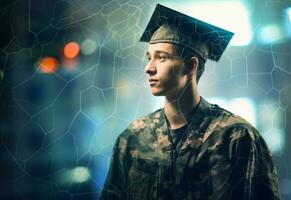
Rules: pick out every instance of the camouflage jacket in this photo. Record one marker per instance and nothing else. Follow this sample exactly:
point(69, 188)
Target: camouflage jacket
point(222, 157)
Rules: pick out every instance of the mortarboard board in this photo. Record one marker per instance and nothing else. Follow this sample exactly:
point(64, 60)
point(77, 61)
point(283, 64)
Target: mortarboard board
point(169, 26)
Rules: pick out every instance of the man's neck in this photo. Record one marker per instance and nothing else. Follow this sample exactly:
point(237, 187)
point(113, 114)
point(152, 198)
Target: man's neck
point(179, 110)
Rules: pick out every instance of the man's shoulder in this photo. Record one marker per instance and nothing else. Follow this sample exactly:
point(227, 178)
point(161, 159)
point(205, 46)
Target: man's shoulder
point(217, 116)
point(231, 124)
point(227, 118)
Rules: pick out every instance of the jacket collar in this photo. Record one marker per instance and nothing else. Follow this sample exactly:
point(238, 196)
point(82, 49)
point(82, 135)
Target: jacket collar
point(195, 130)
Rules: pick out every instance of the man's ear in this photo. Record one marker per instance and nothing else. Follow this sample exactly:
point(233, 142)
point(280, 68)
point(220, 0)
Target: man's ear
point(194, 63)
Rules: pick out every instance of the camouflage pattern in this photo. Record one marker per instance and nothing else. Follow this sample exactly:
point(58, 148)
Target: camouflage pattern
point(222, 157)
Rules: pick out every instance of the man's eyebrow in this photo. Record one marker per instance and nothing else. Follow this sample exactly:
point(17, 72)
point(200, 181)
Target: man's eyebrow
point(158, 52)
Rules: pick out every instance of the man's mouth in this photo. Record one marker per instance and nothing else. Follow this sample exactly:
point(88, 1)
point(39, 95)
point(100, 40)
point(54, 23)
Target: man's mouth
point(153, 81)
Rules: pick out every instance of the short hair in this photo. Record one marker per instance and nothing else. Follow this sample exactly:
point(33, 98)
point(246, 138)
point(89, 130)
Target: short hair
point(186, 54)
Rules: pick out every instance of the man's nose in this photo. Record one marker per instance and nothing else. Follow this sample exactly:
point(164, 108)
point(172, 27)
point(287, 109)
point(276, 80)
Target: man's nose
point(150, 68)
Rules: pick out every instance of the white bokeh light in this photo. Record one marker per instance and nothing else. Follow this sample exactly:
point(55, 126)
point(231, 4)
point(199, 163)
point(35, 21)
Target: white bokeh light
point(230, 15)
point(274, 137)
point(80, 174)
point(243, 107)
point(88, 46)
point(269, 34)
point(289, 14)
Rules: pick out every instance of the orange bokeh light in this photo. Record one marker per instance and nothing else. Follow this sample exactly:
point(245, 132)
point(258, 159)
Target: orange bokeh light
point(71, 50)
point(48, 64)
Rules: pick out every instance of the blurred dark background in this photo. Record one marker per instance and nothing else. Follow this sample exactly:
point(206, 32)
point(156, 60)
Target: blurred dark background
point(71, 80)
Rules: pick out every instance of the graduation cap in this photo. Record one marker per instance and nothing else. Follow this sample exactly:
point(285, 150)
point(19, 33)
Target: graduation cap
point(169, 26)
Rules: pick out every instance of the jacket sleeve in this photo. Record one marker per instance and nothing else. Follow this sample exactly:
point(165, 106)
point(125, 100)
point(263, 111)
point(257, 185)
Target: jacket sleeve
point(250, 174)
point(115, 186)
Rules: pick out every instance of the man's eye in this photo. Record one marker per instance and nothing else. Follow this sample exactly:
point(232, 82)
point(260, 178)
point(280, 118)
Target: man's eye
point(163, 58)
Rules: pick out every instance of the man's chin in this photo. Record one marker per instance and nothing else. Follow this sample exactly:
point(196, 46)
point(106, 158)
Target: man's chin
point(157, 93)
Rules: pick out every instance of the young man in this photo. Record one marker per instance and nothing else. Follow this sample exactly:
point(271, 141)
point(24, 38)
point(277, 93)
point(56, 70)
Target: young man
point(190, 149)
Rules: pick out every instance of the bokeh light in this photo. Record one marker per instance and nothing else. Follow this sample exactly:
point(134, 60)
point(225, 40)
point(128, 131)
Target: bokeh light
point(88, 46)
point(231, 15)
point(80, 174)
point(71, 50)
point(270, 34)
point(242, 106)
point(274, 137)
point(289, 14)
point(272, 126)
point(287, 21)
point(48, 65)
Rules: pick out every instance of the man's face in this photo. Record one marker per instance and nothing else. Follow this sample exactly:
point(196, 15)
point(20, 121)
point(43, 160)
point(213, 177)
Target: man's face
point(166, 70)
